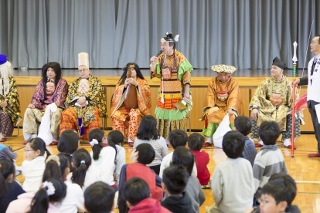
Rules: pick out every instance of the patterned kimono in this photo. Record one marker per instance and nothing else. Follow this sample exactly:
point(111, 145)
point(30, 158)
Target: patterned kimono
point(32, 117)
point(171, 91)
point(233, 101)
point(125, 120)
point(90, 114)
point(273, 99)
point(10, 115)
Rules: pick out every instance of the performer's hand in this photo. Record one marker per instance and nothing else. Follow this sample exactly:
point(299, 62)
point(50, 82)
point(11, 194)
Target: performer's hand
point(153, 59)
point(132, 81)
point(82, 101)
point(31, 106)
point(254, 114)
point(230, 112)
point(4, 103)
point(212, 110)
point(296, 82)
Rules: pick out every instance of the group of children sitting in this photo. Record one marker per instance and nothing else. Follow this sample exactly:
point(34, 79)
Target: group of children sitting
point(76, 180)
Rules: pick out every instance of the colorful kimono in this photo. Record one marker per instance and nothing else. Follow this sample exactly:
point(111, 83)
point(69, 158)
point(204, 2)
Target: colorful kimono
point(88, 117)
point(10, 115)
point(32, 117)
point(273, 99)
point(233, 101)
point(171, 91)
point(128, 120)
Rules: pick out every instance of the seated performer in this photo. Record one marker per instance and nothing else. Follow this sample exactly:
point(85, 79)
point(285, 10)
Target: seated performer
point(271, 102)
point(85, 105)
point(131, 100)
point(9, 99)
point(174, 99)
point(41, 99)
point(223, 97)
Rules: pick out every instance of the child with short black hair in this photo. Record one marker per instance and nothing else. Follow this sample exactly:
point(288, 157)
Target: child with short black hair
point(177, 138)
point(68, 143)
point(232, 193)
point(243, 125)
point(137, 196)
point(140, 157)
point(34, 165)
point(195, 143)
point(174, 181)
point(270, 159)
point(99, 198)
point(183, 156)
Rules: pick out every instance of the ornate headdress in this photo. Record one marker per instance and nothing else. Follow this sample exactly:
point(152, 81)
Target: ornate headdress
point(169, 38)
point(223, 68)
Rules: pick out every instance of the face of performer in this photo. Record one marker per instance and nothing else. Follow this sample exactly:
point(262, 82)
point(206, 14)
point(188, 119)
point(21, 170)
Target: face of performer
point(51, 73)
point(276, 72)
point(50, 88)
point(223, 77)
point(84, 72)
point(315, 45)
point(166, 48)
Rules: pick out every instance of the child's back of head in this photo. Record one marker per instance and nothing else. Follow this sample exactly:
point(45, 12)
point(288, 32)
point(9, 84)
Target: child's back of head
point(68, 142)
point(99, 197)
point(269, 132)
point(177, 138)
point(115, 137)
point(146, 153)
point(195, 141)
point(136, 190)
point(175, 179)
point(233, 144)
point(183, 156)
point(81, 161)
point(243, 125)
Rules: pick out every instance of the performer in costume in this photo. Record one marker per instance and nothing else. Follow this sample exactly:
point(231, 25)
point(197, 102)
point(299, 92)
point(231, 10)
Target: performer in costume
point(40, 100)
point(223, 96)
point(130, 102)
point(175, 72)
point(313, 82)
point(84, 109)
point(9, 99)
point(271, 102)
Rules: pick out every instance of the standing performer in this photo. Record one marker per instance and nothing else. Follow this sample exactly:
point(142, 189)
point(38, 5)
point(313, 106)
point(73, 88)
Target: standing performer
point(313, 94)
point(130, 102)
point(84, 106)
point(175, 72)
point(40, 100)
point(9, 99)
point(223, 96)
point(272, 102)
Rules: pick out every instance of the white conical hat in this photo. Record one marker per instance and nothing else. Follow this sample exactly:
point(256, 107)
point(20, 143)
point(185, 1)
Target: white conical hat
point(83, 59)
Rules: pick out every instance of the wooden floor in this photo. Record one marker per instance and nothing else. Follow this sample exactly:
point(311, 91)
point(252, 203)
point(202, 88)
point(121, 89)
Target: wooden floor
point(303, 169)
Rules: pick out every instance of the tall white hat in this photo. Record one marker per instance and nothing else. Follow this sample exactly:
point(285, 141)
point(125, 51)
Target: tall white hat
point(83, 59)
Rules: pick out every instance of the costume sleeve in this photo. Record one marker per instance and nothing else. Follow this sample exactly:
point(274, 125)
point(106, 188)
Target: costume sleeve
point(234, 100)
point(260, 96)
point(185, 67)
point(38, 96)
point(210, 96)
point(122, 181)
point(216, 186)
point(12, 98)
point(61, 93)
point(144, 97)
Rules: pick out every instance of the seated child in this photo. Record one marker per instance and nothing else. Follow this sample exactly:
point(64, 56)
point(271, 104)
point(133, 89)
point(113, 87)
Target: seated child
point(183, 156)
point(116, 138)
point(195, 143)
point(9, 188)
point(103, 157)
point(174, 181)
point(98, 198)
point(34, 165)
point(140, 157)
point(290, 190)
point(177, 138)
point(243, 125)
point(68, 143)
point(137, 195)
point(232, 180)
point(270, 156)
